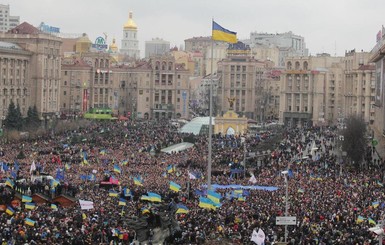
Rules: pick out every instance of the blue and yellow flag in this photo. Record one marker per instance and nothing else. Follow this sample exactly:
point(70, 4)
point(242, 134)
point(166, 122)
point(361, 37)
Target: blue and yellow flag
point(213, 196)
point(154, 197)
point(145, 210)
point(174, 186)
point(375, 204)
point(54, 206)
point(30, 205)
point(9, 183)
point(117, 169)
point(26, 199)
point(112, 193)
point(170, 169)
point(122, 202)
point(138, 181)
point(124, 162)
point(126, 192)
point(206, 203)
point(221, 34)
point(360, 219)
point(371, 221)
point(10, 210)
point(181, 209)
point(145, 198)
point(242, 198)
point(29, 222)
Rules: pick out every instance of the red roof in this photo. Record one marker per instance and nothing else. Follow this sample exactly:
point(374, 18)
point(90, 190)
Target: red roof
point(25, 28)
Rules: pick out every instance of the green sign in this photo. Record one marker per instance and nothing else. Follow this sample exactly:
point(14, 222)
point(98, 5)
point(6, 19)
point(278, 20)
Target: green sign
point(374, 142)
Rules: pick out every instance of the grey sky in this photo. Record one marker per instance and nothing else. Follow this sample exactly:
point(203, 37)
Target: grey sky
point(327, 25)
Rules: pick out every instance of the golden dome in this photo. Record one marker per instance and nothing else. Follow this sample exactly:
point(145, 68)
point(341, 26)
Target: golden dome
point(130, 24)
point(113, 46)
point(83, 39)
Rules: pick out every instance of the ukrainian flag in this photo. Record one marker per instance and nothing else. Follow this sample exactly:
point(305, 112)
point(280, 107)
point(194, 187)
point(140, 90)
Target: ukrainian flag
point(213, 196)
point(154, 197)
point(113, 193)
point(29, 222)
point(221, 34)
point(30, 205)
point(10, 210)
point(360, 219)
point(170, 169)
point(67, 166)
point(239, 192)
point(54, 183)
point(206, 203)
point(124, 162)
point(117, 169)
point(164, 175)
point(242, 198)
point(103, 152)
point(122, 202)
point(9, 183)
point(145, 198)
point(182, 209)
point(137, 181)
point(174, 186)
point(375, 204)
point(145, 210)
point(54, 206)
point(371, 221)
point(26, 199)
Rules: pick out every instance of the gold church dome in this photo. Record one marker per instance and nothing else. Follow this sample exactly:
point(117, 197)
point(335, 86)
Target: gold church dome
point(113, 46)
point(130, 24)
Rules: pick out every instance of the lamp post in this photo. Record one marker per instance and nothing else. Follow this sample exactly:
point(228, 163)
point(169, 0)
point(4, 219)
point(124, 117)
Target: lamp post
point(286, 172)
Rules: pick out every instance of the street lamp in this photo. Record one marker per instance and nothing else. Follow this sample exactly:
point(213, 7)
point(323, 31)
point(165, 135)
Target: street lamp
point(286, 172)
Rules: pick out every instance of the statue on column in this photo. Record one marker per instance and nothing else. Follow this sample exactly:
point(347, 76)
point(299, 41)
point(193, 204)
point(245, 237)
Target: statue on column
point(231, 102)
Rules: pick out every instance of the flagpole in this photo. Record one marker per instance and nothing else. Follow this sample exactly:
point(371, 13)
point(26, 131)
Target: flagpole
point(210, 116)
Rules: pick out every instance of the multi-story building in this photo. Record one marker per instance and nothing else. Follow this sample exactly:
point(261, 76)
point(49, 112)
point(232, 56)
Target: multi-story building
point(204, 45)
point(15, 75)
point(75, 83)
point(324, 90)
point(167, 91)
point(378, 58)
point(7, 22)
point(156, 47)
point(288, 44)
point(242, 77)
point(45, 68)
point(130, 43)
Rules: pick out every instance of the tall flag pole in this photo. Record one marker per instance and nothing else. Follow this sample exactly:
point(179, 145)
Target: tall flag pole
point(218, 34)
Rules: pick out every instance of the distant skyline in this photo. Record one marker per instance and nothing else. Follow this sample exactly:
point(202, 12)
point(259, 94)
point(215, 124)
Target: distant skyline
point(330, 26)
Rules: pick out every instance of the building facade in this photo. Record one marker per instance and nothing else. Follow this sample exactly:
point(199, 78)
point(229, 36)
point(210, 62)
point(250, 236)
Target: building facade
point(130, 43)
point(15, 76)
point(324, 90)
point(289, 45)
point(156, 47)
point(45, 75)
point(7, 22)
point(242, 78)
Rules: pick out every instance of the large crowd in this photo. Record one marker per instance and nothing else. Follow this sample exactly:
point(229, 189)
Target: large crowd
point(331, 206)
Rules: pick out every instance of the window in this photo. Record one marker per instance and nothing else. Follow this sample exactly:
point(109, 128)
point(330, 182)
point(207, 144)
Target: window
point(65, 83)
point(64, 92)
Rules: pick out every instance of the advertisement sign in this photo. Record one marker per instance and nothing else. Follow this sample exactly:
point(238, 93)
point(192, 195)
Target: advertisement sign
point(100, 44)
point(48, 29)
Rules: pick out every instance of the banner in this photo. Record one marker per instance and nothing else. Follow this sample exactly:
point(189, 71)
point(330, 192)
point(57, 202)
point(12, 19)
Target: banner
point(85, 205)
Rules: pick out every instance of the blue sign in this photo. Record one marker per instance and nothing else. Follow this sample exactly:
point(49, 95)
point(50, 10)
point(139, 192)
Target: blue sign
point(100, 44)
point(48, 29)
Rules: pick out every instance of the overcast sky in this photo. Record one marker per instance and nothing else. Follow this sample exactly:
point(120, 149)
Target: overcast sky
point(330, 26)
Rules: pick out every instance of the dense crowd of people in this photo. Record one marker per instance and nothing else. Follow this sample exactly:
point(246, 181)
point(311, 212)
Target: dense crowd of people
point(331, 206)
